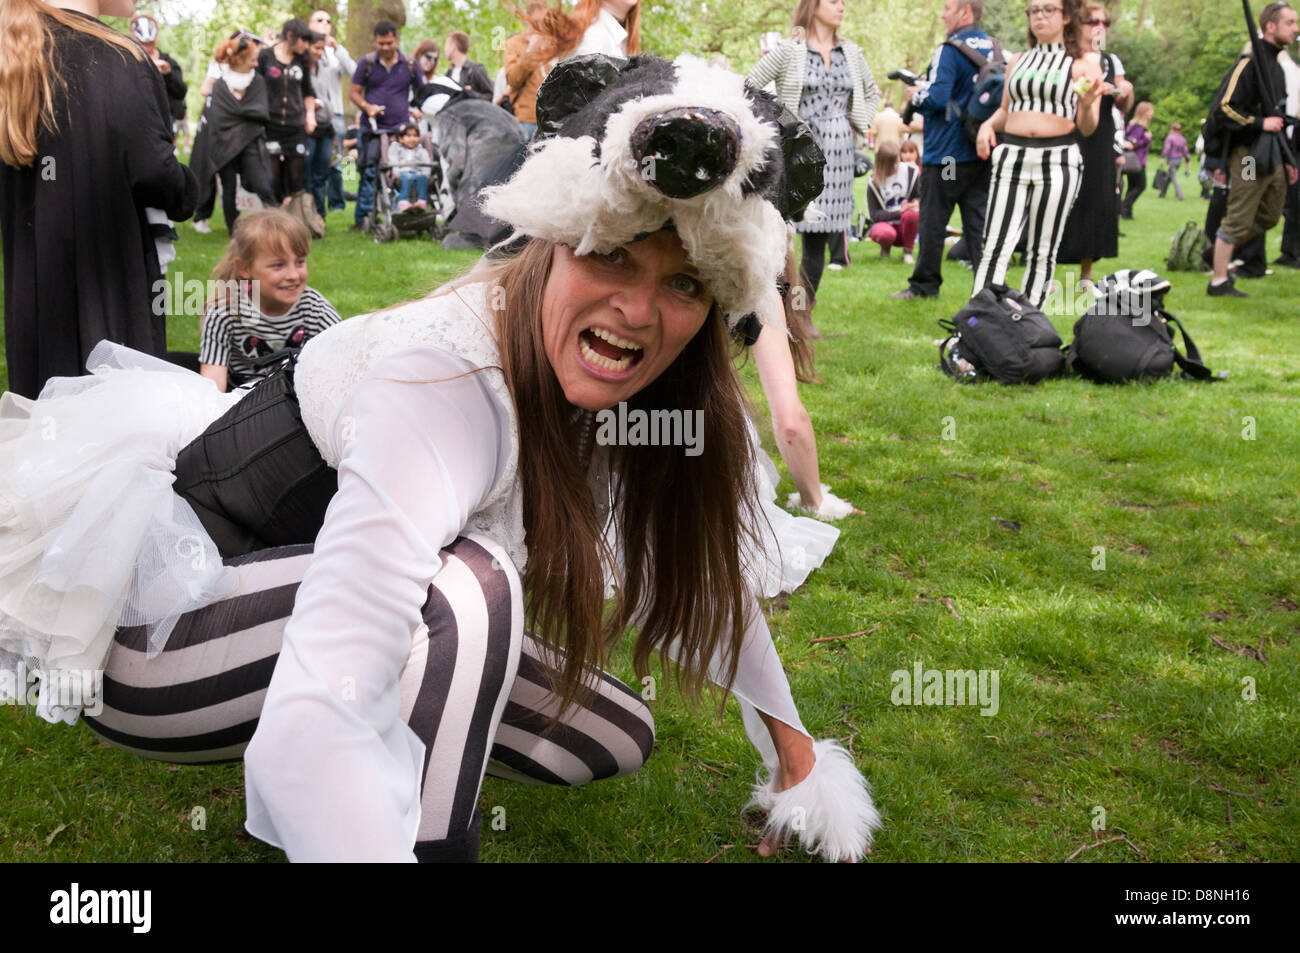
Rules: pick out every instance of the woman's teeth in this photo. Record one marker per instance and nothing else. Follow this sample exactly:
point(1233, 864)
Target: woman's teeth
point(615, 340)
point(600, 360)
point(631, 350)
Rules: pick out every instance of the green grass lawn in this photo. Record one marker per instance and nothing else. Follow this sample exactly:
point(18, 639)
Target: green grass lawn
point(1121, 689)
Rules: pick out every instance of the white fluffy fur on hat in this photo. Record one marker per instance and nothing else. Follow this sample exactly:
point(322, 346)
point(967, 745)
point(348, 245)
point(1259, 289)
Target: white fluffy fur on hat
point(564, 194)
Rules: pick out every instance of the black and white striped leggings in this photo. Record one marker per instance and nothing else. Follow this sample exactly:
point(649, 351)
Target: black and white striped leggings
point(1033, 185)
point(200, 699)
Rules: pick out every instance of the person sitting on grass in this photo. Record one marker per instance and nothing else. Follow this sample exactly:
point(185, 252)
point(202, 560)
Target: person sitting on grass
point(894, 200)
point(414, 178)
point(262, 303)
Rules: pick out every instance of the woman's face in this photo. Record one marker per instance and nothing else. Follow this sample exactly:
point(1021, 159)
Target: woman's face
point(611, 324)
point(245, 60)
point(281, 276)
point(1096, 22)
point(830, 13)
point(1047, 20)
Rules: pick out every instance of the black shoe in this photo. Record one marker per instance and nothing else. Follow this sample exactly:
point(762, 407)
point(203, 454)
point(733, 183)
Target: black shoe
point(1287, 260)
point(1226, 290)
point(910, 294)
point(349, 196)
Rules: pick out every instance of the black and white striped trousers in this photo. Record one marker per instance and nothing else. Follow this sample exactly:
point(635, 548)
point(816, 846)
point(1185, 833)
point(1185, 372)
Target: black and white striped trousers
point(1033, 185)
point(200, 699)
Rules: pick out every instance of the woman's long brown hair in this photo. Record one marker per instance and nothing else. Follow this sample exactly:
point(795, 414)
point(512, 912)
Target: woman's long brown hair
point(801, 20)
point(558, 32)
point(31, 76)
point(798, 320)
point(683, 520)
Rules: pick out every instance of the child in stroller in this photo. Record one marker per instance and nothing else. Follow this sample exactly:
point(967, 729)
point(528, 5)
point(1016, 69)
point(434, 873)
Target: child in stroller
point(410, 204)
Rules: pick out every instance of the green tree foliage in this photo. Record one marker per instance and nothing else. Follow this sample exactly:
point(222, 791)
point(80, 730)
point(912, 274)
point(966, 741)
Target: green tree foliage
point(1175, 53)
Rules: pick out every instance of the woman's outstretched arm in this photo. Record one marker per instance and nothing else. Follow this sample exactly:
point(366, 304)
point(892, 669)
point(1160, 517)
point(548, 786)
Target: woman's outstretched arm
point(790, 421)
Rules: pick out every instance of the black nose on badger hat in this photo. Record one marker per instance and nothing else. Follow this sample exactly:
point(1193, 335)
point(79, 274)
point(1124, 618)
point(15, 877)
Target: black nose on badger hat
point(686, 151)
point(626, 147)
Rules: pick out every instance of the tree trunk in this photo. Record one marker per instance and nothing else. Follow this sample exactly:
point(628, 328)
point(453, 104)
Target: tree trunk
point(362, 17)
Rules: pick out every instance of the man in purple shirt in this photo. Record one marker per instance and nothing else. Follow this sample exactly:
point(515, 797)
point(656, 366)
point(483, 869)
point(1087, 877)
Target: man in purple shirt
point(381, 90)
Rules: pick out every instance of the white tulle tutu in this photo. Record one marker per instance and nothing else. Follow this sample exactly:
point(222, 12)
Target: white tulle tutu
point(792, 546)
point(91, 535)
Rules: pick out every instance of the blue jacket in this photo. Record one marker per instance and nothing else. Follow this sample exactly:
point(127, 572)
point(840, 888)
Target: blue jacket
point(952, 77)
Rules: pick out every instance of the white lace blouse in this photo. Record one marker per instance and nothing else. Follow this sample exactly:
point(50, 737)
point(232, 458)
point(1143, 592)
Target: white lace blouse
point(424, 450)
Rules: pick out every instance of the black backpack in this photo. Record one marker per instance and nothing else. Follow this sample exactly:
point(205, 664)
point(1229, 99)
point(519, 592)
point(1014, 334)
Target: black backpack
point(986, 92)
point(1001, 335)
point(1125, 336)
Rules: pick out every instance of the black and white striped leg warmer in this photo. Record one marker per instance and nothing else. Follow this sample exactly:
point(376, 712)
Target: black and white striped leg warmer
point(476, 688)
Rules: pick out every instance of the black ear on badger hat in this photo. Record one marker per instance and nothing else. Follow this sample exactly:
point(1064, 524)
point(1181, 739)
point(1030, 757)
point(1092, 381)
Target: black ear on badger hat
point(626, 146)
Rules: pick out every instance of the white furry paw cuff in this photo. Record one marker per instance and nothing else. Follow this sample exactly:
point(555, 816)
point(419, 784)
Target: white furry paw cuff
point(832, 508)
point(830, 811)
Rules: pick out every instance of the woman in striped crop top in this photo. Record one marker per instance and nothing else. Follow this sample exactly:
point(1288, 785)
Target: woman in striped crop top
point(1037, 166)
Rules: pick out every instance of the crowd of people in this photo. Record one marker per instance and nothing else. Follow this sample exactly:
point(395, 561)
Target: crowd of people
point(423, 480)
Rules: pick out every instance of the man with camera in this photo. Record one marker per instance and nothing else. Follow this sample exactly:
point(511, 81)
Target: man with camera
point(1251, 107)
point(951, 173)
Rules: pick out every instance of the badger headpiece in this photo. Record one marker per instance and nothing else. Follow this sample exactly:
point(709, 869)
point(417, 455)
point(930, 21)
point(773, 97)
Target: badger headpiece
point(626, 147)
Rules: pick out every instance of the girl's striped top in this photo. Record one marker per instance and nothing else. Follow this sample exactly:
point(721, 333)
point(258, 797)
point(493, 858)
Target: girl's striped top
point(1041, 81)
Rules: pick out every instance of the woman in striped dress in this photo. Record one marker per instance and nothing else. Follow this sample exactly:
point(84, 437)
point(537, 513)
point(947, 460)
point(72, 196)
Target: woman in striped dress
point(825, 80)
point(1050, 90)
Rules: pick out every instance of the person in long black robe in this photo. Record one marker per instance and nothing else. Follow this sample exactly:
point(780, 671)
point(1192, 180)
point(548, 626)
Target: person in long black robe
point(1092, 228)
point(230, 131)
point(79, 257)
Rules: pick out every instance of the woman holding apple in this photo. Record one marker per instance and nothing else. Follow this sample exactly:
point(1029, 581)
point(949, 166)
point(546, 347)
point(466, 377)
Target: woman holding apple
point(1051, 89)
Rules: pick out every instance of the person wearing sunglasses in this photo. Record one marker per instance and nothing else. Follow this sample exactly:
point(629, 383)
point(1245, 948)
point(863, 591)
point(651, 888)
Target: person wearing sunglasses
point(952, 175)
point(327, 76)
point(1092, 229)
point(1051, 90)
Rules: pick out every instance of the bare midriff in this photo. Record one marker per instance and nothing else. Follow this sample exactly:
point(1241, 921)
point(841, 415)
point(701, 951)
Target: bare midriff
point(1037, 125)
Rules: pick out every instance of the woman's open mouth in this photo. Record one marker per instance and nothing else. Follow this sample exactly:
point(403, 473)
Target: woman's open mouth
point(604, 350)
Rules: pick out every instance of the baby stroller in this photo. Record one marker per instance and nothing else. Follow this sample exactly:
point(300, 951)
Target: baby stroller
point(387, 224)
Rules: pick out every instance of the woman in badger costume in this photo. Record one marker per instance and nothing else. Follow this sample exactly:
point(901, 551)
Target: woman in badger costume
point(452, 440)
